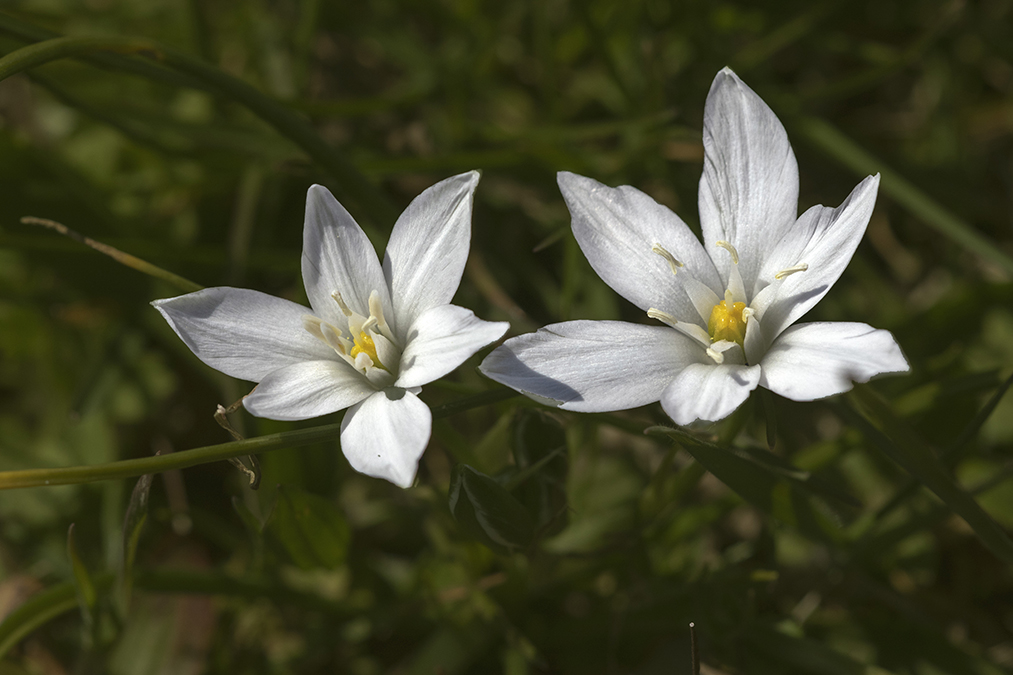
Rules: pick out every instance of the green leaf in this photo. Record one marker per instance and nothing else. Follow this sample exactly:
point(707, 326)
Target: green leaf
point(836, 144)
point(783, 491)
point(133, 525)
point(37, 611)
point(310, 528)
point(538, 480)
point(487, 512)
point(901, 444)
point(86, 595)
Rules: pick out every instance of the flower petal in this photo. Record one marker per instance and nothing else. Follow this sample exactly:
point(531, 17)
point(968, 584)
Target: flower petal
point(385, 435)
point(307, 389)
point(617, 228)
point(816, 360)
point(708, 392)
point(242, 333)
point(442, 339)
point(428, 249)
point(593, 366)
point(824, 239)
point(749, 189)
point(337, 256)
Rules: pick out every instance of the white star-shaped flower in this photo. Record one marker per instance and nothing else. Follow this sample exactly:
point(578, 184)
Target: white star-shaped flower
point(729, 304)
point(374, 336)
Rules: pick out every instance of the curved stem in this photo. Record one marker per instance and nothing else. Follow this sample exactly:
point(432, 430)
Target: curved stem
point(128, 468)
point(352, 185)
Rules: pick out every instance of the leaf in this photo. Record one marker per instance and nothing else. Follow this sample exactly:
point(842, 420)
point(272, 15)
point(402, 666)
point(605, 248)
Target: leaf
point(836, 144)
point(487, 512)
point(805, 655)
point(310, 528)
point(133, 525)
point(783, 491)
point(538, 480)
point(901, 444)
point(86, 595)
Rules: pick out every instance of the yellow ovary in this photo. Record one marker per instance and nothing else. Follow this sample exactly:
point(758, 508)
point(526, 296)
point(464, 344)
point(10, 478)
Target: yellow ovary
point(364, 345)
point(726, 323)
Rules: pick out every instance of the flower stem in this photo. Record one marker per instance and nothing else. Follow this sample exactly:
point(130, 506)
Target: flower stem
point(119, 256)
point(128, 468)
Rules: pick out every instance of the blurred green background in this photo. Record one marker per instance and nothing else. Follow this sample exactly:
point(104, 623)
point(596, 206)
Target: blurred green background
point(573, 543)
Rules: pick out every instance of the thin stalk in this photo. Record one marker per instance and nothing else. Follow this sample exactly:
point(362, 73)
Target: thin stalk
point(129, 468)
point(119, 256)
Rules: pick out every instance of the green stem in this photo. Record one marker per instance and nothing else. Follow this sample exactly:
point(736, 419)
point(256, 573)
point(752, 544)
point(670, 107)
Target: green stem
point(129, 468)
point(352, 185)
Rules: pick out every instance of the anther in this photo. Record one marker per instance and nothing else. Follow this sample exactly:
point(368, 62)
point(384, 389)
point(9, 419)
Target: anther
point(341, 303)
point(728, 247)
point(672, 262)
point(718, 357)
point(791, 270)
point(312, 326)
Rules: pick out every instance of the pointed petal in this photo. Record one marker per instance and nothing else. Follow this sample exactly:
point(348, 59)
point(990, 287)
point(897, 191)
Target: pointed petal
point(617, 229)
point(824, 239)
point(708, 392)
point(749, 189)
point(307, 389)
point(593, 366)
point(816, 360)
point(442, 339)
point(428, 249)
point(385, 435)
point(337, 256)
point(242, 333)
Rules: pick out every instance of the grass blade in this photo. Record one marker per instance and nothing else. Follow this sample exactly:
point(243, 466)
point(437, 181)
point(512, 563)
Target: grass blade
point(906, 449)
point(832, 141)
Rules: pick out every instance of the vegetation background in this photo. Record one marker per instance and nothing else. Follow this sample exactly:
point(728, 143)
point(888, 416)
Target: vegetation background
point(871, 537)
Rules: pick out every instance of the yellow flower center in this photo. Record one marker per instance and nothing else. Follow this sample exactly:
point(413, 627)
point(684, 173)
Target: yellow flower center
point(726, 322)
point(364, 345)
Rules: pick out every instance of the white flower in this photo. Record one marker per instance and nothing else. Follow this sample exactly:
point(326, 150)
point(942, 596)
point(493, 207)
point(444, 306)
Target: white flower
point(374, 336)
point(729, 304)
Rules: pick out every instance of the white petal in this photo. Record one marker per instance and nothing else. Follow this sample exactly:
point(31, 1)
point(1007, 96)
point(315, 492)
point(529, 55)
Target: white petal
point(816, 360)
point(708, 392)
point(242, 333)
point(442, 339)
point(749, 189)
point(337, 256)
point(617, 229)
point(593, 366)
point(385, 435)
point(307, 389)
point(428, 249)
point(824, 239)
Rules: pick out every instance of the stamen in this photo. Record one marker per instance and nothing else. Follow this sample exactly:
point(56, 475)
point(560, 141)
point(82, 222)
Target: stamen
point(368, 323)
point(341, 303)
point(717, 350)
point(376, 310)
point(672, 262)
point(333, 338)
point(312, 325)
point(663, 317)
point(728, 247)
point(688, 329)
point(791, 270)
